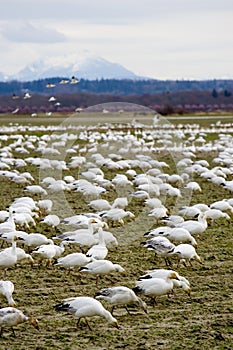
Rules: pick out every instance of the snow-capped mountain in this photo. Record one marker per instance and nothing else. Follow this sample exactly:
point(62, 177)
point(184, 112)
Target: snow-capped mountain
point(87, 67)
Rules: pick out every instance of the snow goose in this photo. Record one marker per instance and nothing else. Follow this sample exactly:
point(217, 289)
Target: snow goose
point(99, 204)
point(23, 257)
point(51, 220)
point(10, 316)
point(158, 213)
point(222, 205)
point(161, 246)
point(215, 214)
point(172, 220)
point(35, 189)
point(9, 225)
point(109, 239)
point(101, 267)
point(82, 307)
point(180, 235)
point(193, 186)
point(45, 205)
point(153, 203)
point(8, 257)
point(158, 231)
point(33, 240)
point(164, 273)
point(120, 202)
point(195, 227)
point(6, 291)
point(156, 286)
point(189, 212)
point(116, 215)
point(45, 252)
point(120, 296)
point(98, 251)
point(185, 252)
point(72, 260)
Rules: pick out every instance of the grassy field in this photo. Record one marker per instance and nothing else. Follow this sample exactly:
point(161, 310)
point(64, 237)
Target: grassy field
point(203, 321)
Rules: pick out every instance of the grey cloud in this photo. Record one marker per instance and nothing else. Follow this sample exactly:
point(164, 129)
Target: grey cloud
point(105, 10)
point(28, 33)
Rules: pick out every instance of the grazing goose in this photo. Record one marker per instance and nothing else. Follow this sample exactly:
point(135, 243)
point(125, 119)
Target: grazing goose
point(99, 204)
point(222, 205)
point(189, 212)
point(23, 257)
point(10, 316)
point(161, 246)
point(101, 267)
point(158, 213)
point(82, 307)
point(45, 252)
point(172, 220)
point(6, 291)
point(164, 273)
point(81, 240)
point(72, 260)
point(33, 240)
point(109, 239)
point(193, 186)
point(158, 231)
point(195, 227)
point(215, 214)
point(98, 251)
point(45, 205)
point(120, 296)
point(120, 202)
point(156, 286)
point(185, 252)
point(116, 215)
point(35, 189)
point(51, 220)
point(180, 235)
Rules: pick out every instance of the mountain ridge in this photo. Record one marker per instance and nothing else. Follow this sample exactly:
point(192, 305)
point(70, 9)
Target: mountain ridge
point(87, 67)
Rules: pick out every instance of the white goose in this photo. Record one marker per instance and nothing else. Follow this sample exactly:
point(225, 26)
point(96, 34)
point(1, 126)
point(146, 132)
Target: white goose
point(6, 291)
point(98, 251)
point(120, 296)
point(195, 227)
point(33, 240)
point(10, 316)
point(161, 246)
point(9, 225)
point(180, 235)
point(181, 281)
point(82, 307)
point(51, 220)
point(185, 252)
point(45, 252)
point(156, 286)
point(72, 260)
point(8, 257)
point(101, 267)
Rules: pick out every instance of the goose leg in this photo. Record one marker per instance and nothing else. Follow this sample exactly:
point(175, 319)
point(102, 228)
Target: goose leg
point(88, 324)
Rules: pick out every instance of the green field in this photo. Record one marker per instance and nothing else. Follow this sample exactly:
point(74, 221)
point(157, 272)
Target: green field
point(203, 321)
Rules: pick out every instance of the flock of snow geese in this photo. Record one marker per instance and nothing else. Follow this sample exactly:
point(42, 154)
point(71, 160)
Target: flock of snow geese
point(122, 161)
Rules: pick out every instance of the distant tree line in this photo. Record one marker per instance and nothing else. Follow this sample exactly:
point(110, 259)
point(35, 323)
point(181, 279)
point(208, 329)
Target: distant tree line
point(165, 102)
point(116, 87)
point(166, 97)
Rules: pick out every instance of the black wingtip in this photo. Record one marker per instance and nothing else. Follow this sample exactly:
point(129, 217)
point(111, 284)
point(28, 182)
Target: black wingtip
point(61, 307)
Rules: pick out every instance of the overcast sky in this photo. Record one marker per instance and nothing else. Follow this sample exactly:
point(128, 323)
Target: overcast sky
point(163, 39)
